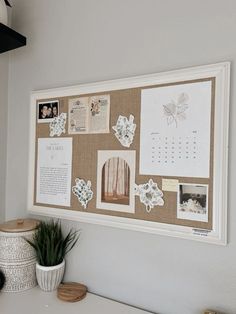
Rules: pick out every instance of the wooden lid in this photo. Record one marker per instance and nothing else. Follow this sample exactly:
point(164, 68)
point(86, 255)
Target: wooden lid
point(19, 225)
point(71, 291)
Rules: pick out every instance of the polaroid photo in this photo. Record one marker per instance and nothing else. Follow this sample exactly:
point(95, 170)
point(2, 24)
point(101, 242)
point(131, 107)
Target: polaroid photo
point(116, 180)
point(47, 111)
point(192, 202)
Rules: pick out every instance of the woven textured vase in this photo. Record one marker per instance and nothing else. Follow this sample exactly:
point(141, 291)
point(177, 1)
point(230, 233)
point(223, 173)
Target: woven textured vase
point(49, 277)
point(17, 257)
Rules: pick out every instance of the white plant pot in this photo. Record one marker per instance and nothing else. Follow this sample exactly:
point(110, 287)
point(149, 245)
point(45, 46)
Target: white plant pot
point(49, 277)
point(3, 12)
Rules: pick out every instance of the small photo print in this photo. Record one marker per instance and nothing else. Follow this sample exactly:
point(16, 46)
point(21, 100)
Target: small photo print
point(192, 202)
point(47, 111)
point(115, 180)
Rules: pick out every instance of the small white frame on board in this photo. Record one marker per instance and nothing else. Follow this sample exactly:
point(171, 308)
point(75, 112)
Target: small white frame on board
point(218, 234)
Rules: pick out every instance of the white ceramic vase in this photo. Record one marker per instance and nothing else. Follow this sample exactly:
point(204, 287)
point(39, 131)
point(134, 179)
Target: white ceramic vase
point(49, 277)
point(3, 12)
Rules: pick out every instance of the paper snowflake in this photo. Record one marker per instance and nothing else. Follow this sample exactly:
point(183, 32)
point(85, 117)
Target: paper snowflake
point(83, 191)
point(57, 126)
point(150, 195)
point(125, 130)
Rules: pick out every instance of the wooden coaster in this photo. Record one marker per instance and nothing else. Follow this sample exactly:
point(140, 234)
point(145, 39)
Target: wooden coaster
point(71, 291)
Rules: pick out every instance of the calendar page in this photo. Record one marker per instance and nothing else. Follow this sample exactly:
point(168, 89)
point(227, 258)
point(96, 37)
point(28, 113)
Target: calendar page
point(175, 130)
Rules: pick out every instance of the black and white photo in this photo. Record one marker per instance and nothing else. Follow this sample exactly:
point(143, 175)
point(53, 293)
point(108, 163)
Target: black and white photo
point(192, 202)
point(47, 111)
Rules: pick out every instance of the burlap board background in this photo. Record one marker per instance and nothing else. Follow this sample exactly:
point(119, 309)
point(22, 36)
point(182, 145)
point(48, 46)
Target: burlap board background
point(84, 159)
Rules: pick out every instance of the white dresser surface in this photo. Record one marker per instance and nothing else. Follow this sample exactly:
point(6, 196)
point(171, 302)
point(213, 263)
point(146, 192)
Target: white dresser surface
point(35, 301)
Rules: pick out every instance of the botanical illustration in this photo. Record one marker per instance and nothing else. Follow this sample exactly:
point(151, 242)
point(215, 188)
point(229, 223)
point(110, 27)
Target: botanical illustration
point(115, 185)
point(125, 129)
point(175, 110)
point(57, 126)
point(83, 191)
point(150, 195)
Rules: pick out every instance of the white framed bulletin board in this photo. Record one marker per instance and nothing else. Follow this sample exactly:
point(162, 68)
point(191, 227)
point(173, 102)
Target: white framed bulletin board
point(146, 153)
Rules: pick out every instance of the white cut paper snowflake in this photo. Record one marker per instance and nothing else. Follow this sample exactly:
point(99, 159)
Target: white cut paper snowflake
point(57, 126)
point(150, 195)
point(125, 130)
point(83, 191)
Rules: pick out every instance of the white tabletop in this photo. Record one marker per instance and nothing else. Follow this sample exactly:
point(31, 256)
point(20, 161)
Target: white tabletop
point(35, 301)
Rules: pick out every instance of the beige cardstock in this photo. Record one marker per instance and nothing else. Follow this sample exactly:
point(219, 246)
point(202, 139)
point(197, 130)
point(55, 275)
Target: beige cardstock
point(170, 185)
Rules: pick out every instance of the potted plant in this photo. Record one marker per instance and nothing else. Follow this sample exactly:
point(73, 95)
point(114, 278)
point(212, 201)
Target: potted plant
point(51, 247)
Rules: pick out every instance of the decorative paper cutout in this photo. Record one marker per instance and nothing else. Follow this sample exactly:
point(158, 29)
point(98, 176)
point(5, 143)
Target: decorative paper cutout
point(83, 191)
point(125, 130)
point(150, 195)
point(57, 126)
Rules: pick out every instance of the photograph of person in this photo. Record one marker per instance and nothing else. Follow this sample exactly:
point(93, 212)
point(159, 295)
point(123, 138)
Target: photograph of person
point(47, 111)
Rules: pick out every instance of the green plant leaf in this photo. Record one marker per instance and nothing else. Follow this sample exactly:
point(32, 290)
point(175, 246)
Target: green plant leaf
point(49, 243)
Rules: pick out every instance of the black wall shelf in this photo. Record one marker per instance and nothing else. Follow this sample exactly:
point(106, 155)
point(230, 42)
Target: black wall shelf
point(10, 39)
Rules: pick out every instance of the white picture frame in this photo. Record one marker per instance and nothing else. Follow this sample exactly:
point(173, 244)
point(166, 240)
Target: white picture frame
point(218, 234)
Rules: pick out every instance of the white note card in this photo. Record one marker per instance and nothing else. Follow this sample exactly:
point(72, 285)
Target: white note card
point(170, 185)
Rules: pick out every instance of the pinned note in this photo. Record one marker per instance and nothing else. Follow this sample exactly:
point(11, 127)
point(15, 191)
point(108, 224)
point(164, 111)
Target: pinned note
point(170, 185)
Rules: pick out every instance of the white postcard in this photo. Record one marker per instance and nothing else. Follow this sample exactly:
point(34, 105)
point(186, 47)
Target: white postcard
point(116, 180)
point(54, 171)
point(89, 115)
point(175, 130)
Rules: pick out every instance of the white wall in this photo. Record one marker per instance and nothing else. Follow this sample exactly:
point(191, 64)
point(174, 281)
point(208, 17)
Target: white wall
point(78, 41)
point(4, 62)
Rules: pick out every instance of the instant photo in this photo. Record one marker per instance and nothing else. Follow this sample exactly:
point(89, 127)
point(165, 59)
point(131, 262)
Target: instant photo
point(192, 202)
point(47, 111)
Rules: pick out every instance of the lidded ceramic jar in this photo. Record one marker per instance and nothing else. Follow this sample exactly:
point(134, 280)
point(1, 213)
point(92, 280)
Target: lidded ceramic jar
point(17, 257)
